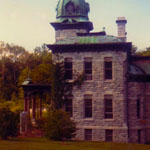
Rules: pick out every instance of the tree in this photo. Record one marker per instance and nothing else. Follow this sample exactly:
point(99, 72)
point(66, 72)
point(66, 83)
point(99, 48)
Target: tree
point(145, 52)
point(58, 126)
point(10, 68)
point(134, 50)
point(42, 73)
point(8, 123)
point(60, 88)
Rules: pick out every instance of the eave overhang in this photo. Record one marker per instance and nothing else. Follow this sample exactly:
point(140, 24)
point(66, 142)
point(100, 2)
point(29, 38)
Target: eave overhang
point(36, 88)
point(78, 25)
point(70, 48)
point(139, 78)
point(140, 58)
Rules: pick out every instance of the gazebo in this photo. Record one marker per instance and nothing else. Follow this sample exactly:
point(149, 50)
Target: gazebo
point(32, 106)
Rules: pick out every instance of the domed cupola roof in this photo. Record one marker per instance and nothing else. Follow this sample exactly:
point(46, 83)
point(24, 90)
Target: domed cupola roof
point(72, 14)
point(72, 10)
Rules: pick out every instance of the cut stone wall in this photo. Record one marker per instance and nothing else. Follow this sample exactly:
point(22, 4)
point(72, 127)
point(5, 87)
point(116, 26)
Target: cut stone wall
point(98, 87)
point(134, 91)
point(99, 134)
point(125, 124)
point(62, 34)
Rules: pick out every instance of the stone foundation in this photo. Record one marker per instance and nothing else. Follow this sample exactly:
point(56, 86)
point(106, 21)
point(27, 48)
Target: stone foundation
point(99, 134)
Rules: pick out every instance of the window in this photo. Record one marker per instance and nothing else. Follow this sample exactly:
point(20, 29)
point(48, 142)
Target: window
point(108, 135)
point(108, 106)
point(138, 103)
point(139, 135)
point(88, 134)
point(68, 68)
point(88, 106)
point(69, 106)
point(88, 68)
point(108, 68)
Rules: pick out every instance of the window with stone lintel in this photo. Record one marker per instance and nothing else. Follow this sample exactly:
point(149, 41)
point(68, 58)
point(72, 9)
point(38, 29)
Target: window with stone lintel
point(88, 68)
point(88, 134)
point(139, 135)
point(108, 68)
point(68, 68)
point(88, 106)
point(69, 105)
point(108, 135)
point(108, 106)
point(138, 107)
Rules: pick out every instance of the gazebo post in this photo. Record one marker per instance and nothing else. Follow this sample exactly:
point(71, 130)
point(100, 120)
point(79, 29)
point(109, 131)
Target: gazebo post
point(33, 106)
point(40, 107)
point(28, 103)
point(25, 103)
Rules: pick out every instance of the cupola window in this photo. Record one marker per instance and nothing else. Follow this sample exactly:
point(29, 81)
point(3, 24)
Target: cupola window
point(70, 8)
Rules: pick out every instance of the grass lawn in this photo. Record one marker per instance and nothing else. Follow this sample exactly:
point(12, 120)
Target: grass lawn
point(44, 144)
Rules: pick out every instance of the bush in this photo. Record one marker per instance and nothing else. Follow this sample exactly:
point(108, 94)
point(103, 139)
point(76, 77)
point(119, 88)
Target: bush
point(40, 123)
point(58, 126)
point(8, 123)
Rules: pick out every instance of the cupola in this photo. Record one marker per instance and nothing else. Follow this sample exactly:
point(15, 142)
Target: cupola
point(72, 14)
point(77, 10)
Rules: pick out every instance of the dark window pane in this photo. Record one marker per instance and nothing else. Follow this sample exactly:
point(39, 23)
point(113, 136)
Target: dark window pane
point(69, 102)
point(108, 65)
point(88, 70)
point(88, 134)
point(108, 102)
point(108, 109)
point(88, 102)
point(108, 70)
point(69, 106)
point(138, 108)
point(139, 136)
point(68, 65)
point(88, 108)
point(68, 74)
point(68, 70)
point(88, 76)
point(88, 112)
point(88, 65)
point(108, 116)
point(108, 74)
point(109, 135)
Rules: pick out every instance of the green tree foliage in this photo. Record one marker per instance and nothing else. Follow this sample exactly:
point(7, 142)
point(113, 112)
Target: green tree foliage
point(145, 52)
point(8, 123)
point(134, 50)
point(16, 64)
point(58, 126)
point(10, 67)
point(42, 73)
point(60, 88)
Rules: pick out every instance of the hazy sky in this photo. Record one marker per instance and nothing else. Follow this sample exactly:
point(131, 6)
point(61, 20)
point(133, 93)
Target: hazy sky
point(26, 22)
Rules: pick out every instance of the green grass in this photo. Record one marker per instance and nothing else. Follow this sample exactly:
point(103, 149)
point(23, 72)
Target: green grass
point(44, 144)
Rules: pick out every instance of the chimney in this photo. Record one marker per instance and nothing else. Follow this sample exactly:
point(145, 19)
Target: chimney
point(121, 22)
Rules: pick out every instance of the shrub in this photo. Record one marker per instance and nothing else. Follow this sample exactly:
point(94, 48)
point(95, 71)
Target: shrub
point(8, 123)
point(59, 126)
point(40, 123)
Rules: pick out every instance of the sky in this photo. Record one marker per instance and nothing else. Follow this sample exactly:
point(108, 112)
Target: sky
point(27, 22)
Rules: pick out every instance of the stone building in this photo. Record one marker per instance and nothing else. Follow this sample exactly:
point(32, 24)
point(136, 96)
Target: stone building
point(113, 103)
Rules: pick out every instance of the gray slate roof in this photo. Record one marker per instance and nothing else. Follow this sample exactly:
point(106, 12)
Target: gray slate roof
point(89, 40)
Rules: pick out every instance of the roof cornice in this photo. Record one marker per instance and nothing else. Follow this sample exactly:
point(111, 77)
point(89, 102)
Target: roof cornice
point(70, 48)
